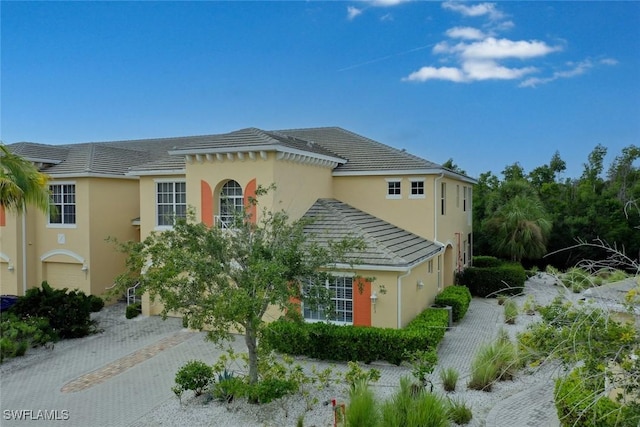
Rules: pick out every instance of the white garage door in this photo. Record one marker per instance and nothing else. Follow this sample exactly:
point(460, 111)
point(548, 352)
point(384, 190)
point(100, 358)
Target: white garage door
point(63, 275)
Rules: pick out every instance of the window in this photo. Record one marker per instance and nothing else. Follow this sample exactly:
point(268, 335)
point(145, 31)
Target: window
point(430, 266)
point(341, 290)
point(417, 188)
point(464, 198)
point(393, 189)
point(443, 198)
point(457, 196)
point(63, 200)
point(231, 203)
point(171, 202)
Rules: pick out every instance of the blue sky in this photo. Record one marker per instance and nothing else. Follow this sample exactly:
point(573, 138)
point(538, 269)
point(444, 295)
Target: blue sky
point(487, 84)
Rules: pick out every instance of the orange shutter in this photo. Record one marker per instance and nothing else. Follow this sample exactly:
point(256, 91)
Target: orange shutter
point(206, 204)
point(3, 219)
point(361, 303)
point(250, 192)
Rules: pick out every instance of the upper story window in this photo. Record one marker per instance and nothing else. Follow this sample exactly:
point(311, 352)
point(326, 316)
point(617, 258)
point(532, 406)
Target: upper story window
point(417, 188)
point(171, 202)
point(231, 203)
point(394, 188)
point(63, 200)
point(341, 291)
point(443, 198)
point(464, 198)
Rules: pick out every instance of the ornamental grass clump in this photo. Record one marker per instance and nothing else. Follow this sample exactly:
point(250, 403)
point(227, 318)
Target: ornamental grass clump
point(497, 361)
point(449, 378)
point(510, 311)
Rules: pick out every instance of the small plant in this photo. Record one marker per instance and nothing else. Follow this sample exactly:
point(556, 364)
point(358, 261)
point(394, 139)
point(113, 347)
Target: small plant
point(422, 363)
point(502, 299)
point(356, 375)
point(494, 361)
point(227, 389)
point(300, 421)
point(133, 310)
point(194, 375)
point(459, 412)
point(529, 305)
point(510, 312)
point(449, 378)
point(267, 390)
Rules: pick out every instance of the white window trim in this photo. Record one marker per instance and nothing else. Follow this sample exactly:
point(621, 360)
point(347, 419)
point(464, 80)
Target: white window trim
point(68, 226)
point(333, 322)
point(393, 196)
point(424, 189)
point(155, 200)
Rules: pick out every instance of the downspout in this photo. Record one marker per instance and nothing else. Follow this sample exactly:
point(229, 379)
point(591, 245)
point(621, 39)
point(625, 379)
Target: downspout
point(399, 296)
point(24, 252)
point(435, 223)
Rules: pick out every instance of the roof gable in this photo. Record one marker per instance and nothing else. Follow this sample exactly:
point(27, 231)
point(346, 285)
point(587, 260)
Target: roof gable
point(386, 245)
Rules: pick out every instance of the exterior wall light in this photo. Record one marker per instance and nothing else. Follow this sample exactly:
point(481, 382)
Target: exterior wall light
point(84, 267)
point(420, 284)
point(374, 299)
point(10, 267)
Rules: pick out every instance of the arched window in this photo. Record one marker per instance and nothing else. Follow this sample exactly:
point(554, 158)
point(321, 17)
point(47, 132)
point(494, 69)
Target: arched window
point(231, 203)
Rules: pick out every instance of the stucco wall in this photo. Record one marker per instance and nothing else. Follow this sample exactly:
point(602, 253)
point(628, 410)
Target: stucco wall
point(114, 204)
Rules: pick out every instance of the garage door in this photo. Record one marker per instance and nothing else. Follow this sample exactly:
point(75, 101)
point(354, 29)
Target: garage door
point(8, 280)
point(63, 275)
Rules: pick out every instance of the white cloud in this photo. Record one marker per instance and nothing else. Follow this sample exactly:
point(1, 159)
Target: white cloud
point(467, 33)
point(352, 12)
point(609, 61)
point(442, 73)
point(387, 3)
point(491, 48)
point(491, 70)
point(482, 9)
point(573, 70)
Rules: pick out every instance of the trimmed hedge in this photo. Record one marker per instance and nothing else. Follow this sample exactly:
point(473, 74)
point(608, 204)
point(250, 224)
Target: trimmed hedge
point(508, 279)
point(326, 341)
point(458, 297)
point(485, 261)
point(580, 405)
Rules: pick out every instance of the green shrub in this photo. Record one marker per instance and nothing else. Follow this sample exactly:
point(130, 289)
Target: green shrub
point(68, 312)
point(459, 412)
point(507, 279)
point(482, 261)
point(458, 297)
point(267, 390)
point(133, 310)
point(577, 279)
point(95, 303)
point(580, 403)
point(356, 343)
point(449, 378)
point(194, 375)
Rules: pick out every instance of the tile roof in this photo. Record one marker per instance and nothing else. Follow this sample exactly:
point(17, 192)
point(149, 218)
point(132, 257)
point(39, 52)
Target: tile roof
point(363, 154)
point(353, 152)
point(386, 244)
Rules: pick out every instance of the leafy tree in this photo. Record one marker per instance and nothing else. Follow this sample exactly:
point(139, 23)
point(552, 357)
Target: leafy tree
point(225, 280)
point(21, 183)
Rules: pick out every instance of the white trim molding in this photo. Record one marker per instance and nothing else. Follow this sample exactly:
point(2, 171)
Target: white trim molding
point(65, 252)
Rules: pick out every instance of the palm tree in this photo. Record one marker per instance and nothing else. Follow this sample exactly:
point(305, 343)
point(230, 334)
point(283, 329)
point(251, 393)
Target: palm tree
point(21, 183)
point(520, 228)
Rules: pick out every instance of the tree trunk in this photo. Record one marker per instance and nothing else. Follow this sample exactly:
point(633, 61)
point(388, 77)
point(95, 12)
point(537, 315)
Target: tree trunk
point(250, 339)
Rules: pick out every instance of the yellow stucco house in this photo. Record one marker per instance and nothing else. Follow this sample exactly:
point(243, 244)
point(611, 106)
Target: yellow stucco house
point(413, 214)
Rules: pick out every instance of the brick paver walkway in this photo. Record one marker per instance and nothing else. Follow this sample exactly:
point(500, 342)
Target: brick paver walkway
point(119, 366)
